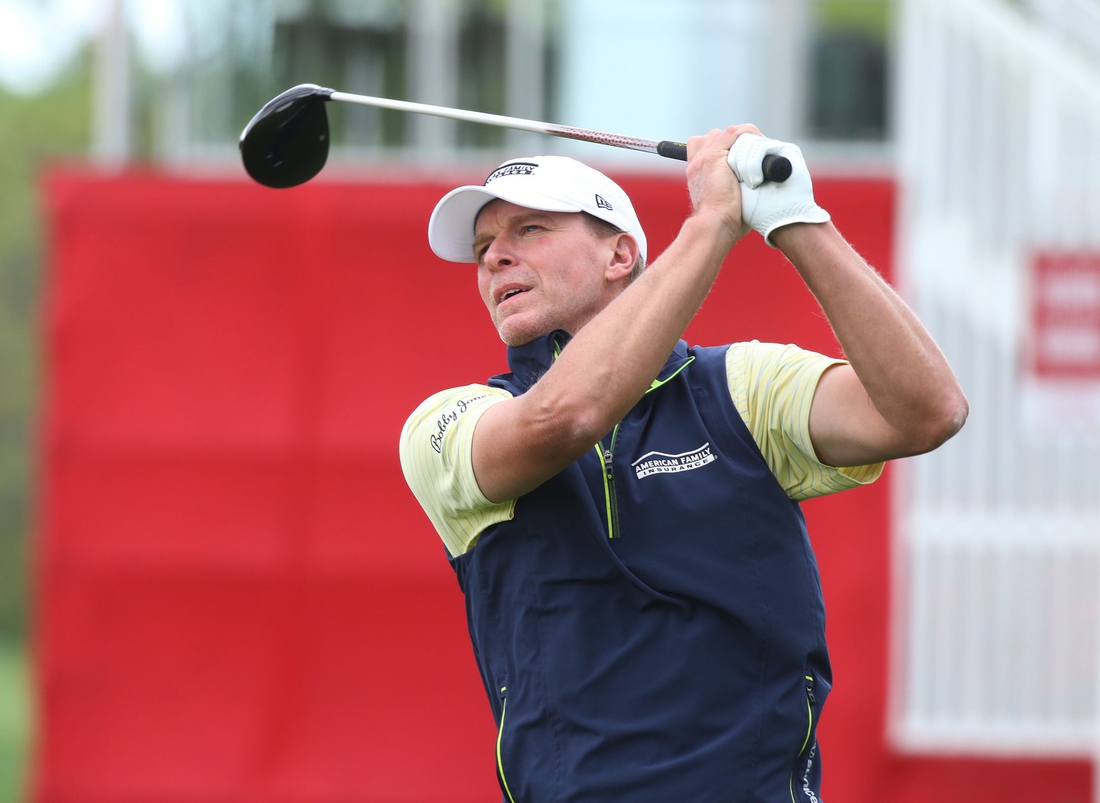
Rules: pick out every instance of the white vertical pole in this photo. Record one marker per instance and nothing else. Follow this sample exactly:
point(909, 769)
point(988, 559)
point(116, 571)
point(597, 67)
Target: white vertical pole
point(789, 39)
point(173, 121)
point(1096, 715)
point(433, 68)
point(908, 620)
point(112, 135)
point(525, 69)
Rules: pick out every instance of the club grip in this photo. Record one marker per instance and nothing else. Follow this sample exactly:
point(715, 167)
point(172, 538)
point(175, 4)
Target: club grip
point(672, 150)
point(776, 168)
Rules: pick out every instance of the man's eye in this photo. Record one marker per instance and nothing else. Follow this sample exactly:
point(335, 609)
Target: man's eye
point(530, 227)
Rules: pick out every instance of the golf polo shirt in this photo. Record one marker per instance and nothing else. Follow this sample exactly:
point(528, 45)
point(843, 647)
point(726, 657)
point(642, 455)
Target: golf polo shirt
point(648, 623)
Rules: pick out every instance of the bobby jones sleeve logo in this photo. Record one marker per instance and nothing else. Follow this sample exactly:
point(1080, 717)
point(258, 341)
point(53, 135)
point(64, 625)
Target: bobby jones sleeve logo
point(449, 416)
point(661, 463)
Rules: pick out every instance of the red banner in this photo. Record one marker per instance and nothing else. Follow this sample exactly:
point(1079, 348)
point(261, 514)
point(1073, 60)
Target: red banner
point(1066, 316)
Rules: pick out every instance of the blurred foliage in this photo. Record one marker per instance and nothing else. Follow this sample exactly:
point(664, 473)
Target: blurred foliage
point(15, 722)
point(872, 17)
point(34, 130)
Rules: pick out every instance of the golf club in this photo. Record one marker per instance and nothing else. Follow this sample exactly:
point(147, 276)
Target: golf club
point(286, 143)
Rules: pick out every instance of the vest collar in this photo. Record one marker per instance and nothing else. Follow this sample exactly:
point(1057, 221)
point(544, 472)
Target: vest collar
point(531, 360)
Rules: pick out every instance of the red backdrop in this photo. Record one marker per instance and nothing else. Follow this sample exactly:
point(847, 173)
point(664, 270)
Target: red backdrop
point(239, 600)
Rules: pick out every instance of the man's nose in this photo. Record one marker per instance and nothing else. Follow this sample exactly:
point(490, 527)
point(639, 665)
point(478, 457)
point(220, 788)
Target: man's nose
point(499, 255)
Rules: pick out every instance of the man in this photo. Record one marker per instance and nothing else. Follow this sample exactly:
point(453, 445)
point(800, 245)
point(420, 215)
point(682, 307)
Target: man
point(641, 595)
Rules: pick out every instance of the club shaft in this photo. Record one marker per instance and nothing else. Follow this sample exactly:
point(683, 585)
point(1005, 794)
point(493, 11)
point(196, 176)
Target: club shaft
point(500, 120)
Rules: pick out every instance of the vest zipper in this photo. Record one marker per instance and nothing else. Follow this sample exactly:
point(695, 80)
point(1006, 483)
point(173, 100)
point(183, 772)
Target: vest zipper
point(809, 730)
point(607, 458)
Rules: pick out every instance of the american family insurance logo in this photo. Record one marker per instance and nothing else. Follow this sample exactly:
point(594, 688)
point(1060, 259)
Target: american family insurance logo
point(661, 463)
point(513, 169)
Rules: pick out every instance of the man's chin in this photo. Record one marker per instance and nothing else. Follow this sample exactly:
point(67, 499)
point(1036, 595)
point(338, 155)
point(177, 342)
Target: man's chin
point(517, 339)
point(517, 333)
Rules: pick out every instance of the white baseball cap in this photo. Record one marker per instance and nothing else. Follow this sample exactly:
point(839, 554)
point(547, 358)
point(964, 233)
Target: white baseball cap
point(546, 183)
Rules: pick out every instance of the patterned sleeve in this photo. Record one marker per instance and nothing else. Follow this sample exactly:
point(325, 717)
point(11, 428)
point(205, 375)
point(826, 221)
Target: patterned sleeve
point(436, 458)
point(772, 387)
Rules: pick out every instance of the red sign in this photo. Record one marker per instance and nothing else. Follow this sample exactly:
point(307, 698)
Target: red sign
point(1066, 316)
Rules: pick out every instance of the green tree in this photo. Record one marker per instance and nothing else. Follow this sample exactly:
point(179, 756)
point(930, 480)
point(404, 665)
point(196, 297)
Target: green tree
point(35, 130)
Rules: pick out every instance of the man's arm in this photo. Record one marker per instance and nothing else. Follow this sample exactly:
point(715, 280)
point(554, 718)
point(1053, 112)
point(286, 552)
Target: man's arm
point(608, 365)
point(898, 396)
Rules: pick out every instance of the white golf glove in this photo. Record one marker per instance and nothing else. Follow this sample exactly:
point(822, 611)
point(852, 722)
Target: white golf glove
point(767, 206)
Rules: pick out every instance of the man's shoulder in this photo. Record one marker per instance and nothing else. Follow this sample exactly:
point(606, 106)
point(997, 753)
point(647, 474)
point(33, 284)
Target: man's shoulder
point(462, 394)
point(750, 355)
point(445, 408)
point(436, 459)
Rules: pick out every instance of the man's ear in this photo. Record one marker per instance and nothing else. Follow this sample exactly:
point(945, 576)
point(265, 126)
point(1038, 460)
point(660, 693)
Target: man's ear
point(623, 258)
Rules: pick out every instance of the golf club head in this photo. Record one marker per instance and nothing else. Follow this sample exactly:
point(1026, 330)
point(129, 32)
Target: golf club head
point(286, 143)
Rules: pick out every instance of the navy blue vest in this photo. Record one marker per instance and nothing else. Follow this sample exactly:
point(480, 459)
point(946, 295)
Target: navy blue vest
point(650, 626)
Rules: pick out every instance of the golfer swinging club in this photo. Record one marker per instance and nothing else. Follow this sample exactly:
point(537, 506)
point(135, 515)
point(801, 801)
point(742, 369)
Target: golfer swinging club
point(622, 511)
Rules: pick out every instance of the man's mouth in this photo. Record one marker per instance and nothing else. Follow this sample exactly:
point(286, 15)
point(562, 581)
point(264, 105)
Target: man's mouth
point(509, 293)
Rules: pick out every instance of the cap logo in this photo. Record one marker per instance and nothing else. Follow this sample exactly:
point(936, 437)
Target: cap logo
point(602, 204)
point(514, 169)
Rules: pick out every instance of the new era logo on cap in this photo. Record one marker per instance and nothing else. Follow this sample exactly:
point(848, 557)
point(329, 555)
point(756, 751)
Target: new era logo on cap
point(546, 183)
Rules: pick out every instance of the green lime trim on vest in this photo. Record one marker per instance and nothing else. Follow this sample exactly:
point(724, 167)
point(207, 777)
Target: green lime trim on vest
point(500, 738)
point(658, 382)
point(607, 457)
point(809, 722)
point(809, 728)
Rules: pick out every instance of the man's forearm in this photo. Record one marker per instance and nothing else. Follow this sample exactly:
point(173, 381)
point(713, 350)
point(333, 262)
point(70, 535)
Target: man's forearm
point(613, 359)
point(903, 371)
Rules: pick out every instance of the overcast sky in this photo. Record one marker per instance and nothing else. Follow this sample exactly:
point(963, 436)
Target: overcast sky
point(39, 37)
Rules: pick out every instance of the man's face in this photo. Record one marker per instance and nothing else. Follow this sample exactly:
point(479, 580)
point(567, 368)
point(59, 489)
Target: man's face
point(539, 271)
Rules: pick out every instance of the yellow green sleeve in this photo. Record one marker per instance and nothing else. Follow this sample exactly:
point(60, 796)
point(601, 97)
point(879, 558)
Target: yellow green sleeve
point(437, 460)
point(773, 387)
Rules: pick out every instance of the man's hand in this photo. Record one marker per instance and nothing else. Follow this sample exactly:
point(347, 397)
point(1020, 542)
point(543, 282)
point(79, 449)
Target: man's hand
point(712, 184)
point(766, 206)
